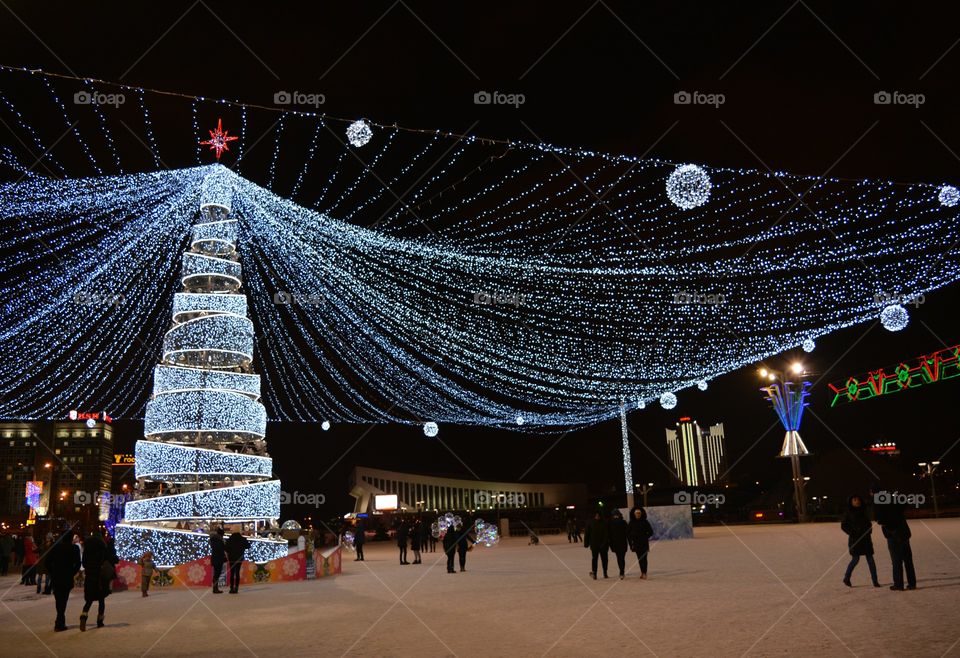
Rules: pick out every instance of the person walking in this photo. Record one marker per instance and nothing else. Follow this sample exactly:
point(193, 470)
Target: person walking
point(450, 547)
point(858, 527)
point(218, 555)
point(577, 536)
point(147, 567)
point(359, 539)
point(465, 541)
point(28, 571)
point(416, 538)
point(63, 564)
point(237, 545)
point(639, 533)
point(425, 534)
point(597, 539)
point(618, 540)
point(571, 531)
point(403, 534)
point(890, 516)
point(42, 570)
point(6, 552)
point(99, 562)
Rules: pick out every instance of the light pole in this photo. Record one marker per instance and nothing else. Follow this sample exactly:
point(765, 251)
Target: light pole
point(788, 400)
point(930, 469)
point(644, 490)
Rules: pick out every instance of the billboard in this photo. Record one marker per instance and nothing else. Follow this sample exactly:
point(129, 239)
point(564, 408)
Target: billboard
point(386, 502)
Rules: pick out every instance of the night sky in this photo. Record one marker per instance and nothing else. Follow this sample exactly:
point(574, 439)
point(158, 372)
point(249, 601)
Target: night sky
point(799, 83)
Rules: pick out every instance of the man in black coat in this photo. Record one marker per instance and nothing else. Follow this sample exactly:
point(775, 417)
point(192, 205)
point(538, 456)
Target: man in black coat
point(63, 563)
point(639, 533)
point(597, 539)
point(617, 531)
point(403, 535)
point(218, 555)
point(237, 545)
point(99, 561)
point(889, 514)
point(359, 538)
point(464, 540)
point(450, 547)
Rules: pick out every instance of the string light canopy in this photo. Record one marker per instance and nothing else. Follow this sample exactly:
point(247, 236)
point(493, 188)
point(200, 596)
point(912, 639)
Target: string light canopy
point(495, 288)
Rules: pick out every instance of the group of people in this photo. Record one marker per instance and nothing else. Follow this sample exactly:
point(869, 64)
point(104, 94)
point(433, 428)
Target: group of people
point(419, 537)
point(858, 527)
point(227, 552)
point(615, 534)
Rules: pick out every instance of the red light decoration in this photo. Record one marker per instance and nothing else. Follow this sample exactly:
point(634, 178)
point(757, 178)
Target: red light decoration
point(219, 139)
point(928, 369)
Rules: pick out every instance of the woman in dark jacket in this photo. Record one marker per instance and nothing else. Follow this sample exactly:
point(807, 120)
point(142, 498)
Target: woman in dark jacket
point(639, 533)
point(416, 539)
point(236, 546)
point(597, 539)
point(403, 534)
point(858, 527)
point(63, 563)
point(618, 540)
point(99, 561)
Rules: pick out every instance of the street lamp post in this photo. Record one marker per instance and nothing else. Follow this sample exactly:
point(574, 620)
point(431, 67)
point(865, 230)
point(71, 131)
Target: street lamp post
point(930, 469)
point(644, 490)
point(788, 400)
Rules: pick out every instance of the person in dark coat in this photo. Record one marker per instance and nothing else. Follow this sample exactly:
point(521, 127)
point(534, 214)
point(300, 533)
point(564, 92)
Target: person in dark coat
point(29, 561)
point(403, 537)
point(359, 538)
point(465, 539)
point(597, 539)
point(639, 533)
point(99, 563)
point(63, 564)
point(426, 536)
point(236, 546)
point(856, 523)
point(218, 555)
point(416, 539)
point(618, 539)
point(6, 551)
point(890, 516)
point(450, 547)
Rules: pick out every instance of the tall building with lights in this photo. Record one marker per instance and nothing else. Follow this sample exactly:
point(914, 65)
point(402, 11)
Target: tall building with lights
point(698, 455)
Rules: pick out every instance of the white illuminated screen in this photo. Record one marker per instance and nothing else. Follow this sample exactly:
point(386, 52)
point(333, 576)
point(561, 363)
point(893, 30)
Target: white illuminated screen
point(386, 502)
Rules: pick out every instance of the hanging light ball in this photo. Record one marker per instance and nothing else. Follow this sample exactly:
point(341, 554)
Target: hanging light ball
point(430, 429)
point(668, 400)
point(325, 425)
point(702, 384)
point(688, 186)
point(894, 317)
point(359, 133)
point(520, 420)
point(641, 404)
point(808, 345)
point(949, 196)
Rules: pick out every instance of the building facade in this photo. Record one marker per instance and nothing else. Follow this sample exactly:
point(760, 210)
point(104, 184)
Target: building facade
point(698, 455)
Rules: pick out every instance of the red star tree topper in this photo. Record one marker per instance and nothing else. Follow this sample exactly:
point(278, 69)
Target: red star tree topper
point(218, 139)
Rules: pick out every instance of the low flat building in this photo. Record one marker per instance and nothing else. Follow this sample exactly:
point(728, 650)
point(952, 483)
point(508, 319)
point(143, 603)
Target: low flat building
point(425, 492)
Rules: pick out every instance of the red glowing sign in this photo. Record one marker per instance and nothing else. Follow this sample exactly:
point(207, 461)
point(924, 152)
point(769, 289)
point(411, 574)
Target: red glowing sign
point(95, 416)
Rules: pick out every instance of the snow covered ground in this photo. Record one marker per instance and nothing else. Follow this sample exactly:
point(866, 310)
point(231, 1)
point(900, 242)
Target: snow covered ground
point(732, 591)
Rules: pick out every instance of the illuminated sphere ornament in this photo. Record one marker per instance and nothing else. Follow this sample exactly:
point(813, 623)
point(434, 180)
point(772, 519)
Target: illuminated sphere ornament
point(808, 345)
point(668, 400)
point(325, 425)
point(520, 420)
point(688, 186)
point(641, 404)
point(430, 429)
point(702, 384)
point(347, 541)
point(91, 422)
point(894, 317)
point(949, 196)
point(359, 133)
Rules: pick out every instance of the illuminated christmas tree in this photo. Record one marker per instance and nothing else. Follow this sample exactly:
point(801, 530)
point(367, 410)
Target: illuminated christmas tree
point(203, 461)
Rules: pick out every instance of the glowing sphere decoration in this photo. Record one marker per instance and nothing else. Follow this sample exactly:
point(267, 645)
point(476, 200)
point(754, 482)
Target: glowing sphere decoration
point(949, 196)
point(359, 133)
point(809, 345)
point(347, 540)
point(430, 429)
point(486, 533)
point(702, 384)
point(688, 186)
point(894, 317)
point(325, 425)
point(668, 400)
point(641, 404)
point(520, 420)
